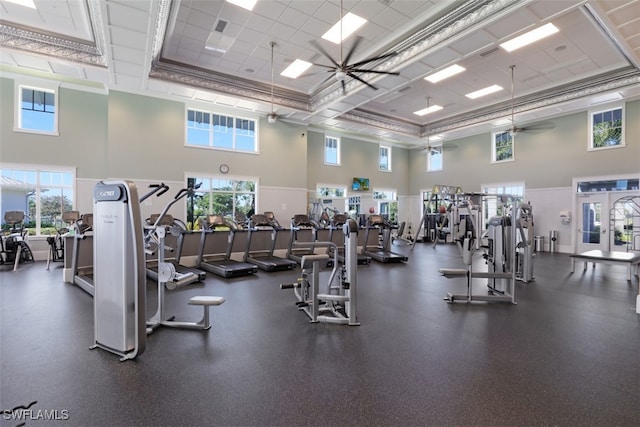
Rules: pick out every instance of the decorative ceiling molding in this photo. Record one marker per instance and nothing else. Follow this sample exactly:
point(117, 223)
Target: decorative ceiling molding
point(33, 41)
point(226, 84)
point(453, 24)
point(381, 122)
point(607, 82)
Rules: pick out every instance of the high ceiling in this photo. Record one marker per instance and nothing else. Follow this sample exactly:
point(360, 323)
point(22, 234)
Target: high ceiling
point(216, 52)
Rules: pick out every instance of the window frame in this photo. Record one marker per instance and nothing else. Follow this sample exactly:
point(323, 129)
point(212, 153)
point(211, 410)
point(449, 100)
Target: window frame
point(211, 190)
point(338, 149)
point(494, 153)
point(41, 86)
point(610, 108)
point(430, 167)
point(388, 150)
point(389, 197)
point(211, 132)
point(39, 186)
point(488, 206)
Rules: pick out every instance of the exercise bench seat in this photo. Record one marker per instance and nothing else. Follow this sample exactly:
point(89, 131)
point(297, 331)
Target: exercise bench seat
point(206, 301)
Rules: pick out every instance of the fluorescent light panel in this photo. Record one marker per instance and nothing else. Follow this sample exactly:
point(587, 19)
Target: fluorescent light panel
point(245, 4)
point(350, 23)
point(429, 110)
point(483, 92)
point(296, 68)
point(530, 37)
point(26, 3)
point(446, 73)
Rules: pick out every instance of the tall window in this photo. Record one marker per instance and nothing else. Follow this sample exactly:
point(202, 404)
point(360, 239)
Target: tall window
point(332, 151)
point(387, 203)
point(502, 147)
point(43, 195)
point(385, 158)
point(233, 198)
point(354, 207)
point(37, 110)
point(434, 159)
point(606, 129)
point(493, 206)
point(207, 129)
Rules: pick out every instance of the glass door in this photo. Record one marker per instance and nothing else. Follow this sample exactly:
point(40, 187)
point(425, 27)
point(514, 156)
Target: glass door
point(593, 222)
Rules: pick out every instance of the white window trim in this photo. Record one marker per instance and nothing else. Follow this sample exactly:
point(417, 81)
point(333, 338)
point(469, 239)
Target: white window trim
point(431, 168)
point(493, 148)
point(41, 85)
point(220, 112)
point(37, 168)
point(213, 176)
point(602, 109)
point(388, 148)
point(338, 150)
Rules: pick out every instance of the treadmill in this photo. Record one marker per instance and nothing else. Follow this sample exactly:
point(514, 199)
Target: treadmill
point(82, 276)
point(303, 232)
point(381, 253)
point(261, 242)
point(184, 275)
point(220, 263)
point(337, 236)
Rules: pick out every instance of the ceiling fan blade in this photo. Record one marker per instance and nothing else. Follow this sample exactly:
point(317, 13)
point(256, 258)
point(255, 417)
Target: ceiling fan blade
point(362, 70)
point(324, 52)
point(361, 80)
point(357, 41)
point(375, 58)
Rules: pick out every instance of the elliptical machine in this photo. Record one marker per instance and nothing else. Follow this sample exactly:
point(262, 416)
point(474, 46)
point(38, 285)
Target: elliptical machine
point(13, 244)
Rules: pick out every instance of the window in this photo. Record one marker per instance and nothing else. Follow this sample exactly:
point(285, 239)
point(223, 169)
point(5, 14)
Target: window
point(43, 195)
point(606, 129)
point(37, 110)
point(387, 203)
point(329, 198)
point(502, 147)
point(385, 158)
point(491, 206)
point(207, 129)
point(331, 151)
point(233, 198)
point(354, 207)
point(434, 159)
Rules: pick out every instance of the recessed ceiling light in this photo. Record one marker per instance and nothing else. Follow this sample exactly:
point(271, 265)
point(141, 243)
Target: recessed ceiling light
point(429, 110)
point(25, 3)
point(530, 37)
point(483, 92)
point(446, 73)
point(245, 4)
point(296, 68)
point(350, 23)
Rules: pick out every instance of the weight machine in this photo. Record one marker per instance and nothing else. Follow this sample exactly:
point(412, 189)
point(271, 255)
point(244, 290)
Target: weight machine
point(338, 304)
point(509, 254)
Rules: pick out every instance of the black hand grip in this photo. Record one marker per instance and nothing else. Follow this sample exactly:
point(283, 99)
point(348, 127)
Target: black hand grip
point(288, 285)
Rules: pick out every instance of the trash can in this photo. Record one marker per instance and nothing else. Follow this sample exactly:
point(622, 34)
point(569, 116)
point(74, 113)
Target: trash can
point(553, 240)
point(538, 244)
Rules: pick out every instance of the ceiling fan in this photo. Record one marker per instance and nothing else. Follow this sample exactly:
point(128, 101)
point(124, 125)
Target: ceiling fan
point(435, 148)
point(513, 130)
point(342, 69)
point(272, 117)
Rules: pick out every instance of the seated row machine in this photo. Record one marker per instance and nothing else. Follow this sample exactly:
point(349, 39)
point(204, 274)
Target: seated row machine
point(338, 302)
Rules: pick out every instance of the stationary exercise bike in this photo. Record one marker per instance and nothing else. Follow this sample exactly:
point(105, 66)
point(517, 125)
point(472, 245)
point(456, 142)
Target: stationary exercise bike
point(13, 243)
point(56, 242)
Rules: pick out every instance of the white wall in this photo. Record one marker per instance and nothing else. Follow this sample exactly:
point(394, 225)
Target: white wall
point(547, 204)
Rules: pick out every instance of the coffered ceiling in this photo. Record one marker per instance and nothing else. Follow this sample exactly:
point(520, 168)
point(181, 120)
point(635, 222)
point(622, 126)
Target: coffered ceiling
point(218, 53)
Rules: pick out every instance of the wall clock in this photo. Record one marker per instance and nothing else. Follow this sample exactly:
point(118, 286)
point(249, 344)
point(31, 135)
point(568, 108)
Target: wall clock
point(224, 168)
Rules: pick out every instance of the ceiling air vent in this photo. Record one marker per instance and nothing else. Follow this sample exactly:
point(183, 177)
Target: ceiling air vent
point(489, 52)
point(220, 26)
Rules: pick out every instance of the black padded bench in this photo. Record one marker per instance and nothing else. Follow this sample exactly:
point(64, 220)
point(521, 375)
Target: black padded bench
point(630, 259)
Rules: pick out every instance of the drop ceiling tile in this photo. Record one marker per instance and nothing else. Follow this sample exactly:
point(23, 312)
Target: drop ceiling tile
point(127, 17)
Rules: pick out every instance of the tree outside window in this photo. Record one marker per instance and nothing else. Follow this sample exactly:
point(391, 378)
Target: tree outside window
point(502, 147)
point(606, 129)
